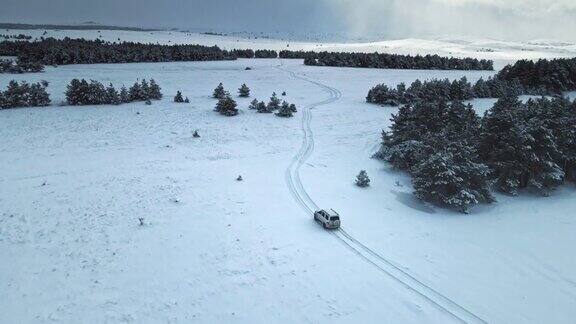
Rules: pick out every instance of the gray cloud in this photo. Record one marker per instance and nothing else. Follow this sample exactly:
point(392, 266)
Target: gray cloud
point(521, 19)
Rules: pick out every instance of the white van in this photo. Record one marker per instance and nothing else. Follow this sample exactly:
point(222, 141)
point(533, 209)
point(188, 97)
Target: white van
point(328, 219)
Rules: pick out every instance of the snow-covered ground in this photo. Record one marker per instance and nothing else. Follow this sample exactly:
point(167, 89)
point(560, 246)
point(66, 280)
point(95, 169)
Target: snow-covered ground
point(75, 180)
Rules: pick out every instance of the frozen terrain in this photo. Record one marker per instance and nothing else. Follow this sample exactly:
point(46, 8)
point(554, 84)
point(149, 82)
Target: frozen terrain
point(75, 180)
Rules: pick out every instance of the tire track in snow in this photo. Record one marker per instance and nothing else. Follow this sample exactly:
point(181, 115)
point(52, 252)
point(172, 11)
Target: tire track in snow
point(292, 177)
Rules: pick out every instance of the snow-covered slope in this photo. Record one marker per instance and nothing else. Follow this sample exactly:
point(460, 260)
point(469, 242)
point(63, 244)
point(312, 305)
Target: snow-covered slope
point(75, 180)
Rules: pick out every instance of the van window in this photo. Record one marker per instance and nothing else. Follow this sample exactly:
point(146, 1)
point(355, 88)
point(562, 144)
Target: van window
point(334, 218)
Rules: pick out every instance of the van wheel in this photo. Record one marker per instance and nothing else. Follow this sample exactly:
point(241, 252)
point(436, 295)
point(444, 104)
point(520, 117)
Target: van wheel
point(324, 225)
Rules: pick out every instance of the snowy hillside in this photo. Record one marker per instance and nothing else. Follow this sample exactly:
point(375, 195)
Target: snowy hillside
point(75, 180)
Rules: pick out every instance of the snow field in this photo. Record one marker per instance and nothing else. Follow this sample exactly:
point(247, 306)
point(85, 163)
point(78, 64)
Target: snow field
point(75, 180)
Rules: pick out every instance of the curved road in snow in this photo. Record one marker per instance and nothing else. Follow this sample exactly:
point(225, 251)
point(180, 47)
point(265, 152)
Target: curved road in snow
point(386, 266)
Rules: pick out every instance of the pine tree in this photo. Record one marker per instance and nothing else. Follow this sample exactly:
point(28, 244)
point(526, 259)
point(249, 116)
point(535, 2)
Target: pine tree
point(96, 93)
point(227, 106)
point(284, 110)
point(77, 92)
point(501, 144)
point(178, 98)
point(155, 90)
point(219, 92)
point(293, 108)
point(263, 108)
point(124, 95)
point(253, 104)
point(39, 97)
point(362, 179)
point(135, 92)
point(244, 91)
point(274, 103)
point(112, 96)
point(186, 100)
point(452, 178)
point(144, 90)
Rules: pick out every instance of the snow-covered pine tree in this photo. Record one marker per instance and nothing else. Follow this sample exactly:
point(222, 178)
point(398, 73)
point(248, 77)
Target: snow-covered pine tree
point(452, 178)
point(144, 90)
point(544, 173)
point(519, 144)
point(227, 106)
point(362, 179)
point(263, 108)
point(124, 95)
point(481, 89)
point(219, 92)
point(15, 94)
point(244, 91)
point(155, 90)
point(186, 100)
point(501, 144)
point(39, 97)
point(77, 92)
point(96, 93)
point(178, 98)
point(284, 110)
point(134, 92)
point(112, 96)
point(274, 103)
point(253, 104)
point(293, 108)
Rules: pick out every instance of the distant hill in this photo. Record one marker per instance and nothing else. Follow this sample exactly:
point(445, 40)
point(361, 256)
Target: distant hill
point(86, 26)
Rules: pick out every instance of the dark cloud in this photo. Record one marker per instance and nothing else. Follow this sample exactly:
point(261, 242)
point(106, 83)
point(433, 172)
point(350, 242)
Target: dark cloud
point(253, 15)
point(386, 18)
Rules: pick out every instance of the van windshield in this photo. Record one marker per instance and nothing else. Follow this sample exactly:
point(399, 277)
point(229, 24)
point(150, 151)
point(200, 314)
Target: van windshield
point(334, 218)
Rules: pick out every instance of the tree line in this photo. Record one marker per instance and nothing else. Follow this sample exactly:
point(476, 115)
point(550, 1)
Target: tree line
point(543, 76)
point(395, 61)
point(24, 94)
point(443, 90)
point(52, 51)
point(82, 92)
point(19, 66)
point(456, 158)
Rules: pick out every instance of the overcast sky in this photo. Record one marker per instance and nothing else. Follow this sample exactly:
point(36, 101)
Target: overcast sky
point(516, 19)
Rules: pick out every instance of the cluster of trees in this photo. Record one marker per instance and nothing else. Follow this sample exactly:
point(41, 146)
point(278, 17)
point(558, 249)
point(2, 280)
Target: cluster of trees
point(442, 90)
point(396, 61)
point(246, 53)
point(19, 37)
point(82, 92)
point(543, 76)
point(226, 105)
point(180, 99)
point(219, 92)
point(24, 94)
point(266, 54)
point(455, 157)
point(19, 66)
point(295, 54)
point(52, 51)
point(281, 108)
